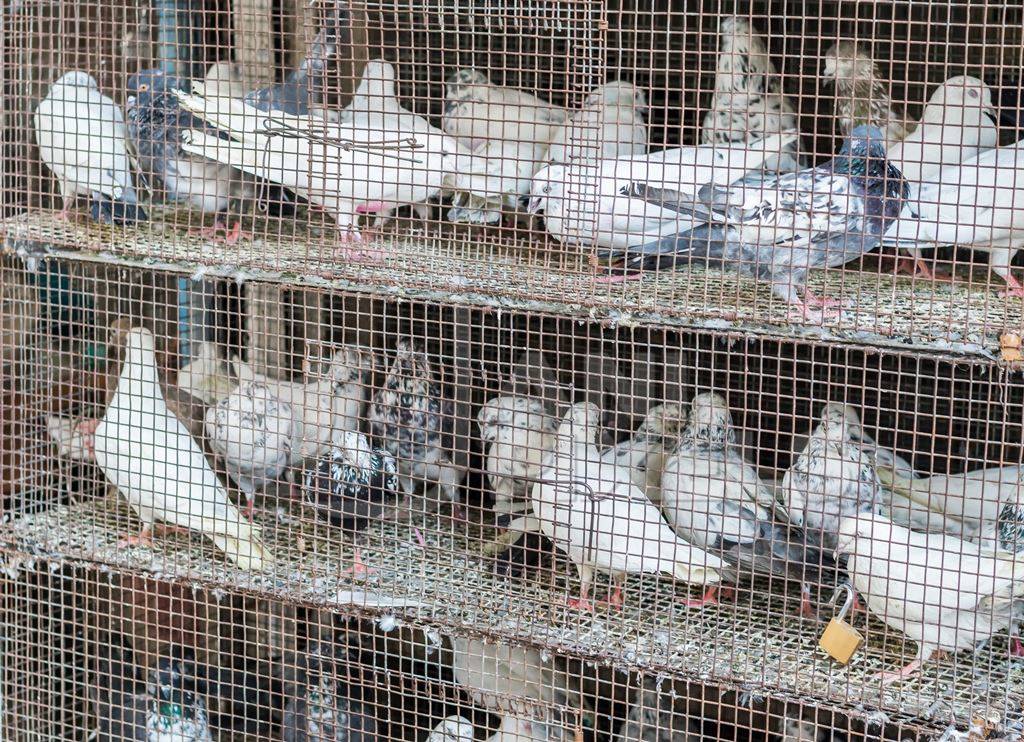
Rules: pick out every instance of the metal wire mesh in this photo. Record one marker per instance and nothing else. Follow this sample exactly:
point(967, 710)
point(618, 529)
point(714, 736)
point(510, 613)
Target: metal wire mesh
point(441, 372)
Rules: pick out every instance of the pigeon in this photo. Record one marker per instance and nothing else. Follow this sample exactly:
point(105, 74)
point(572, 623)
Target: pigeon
point(256, 433)
point(508, 132)
point(973, 204)
point(830, 479)
point(345, 169)
point(862, 96)
point(516, 433)
point(713, 497)
point(69, 440)
point(305, 88)
point(328, 402)
point(352, 483)
point(653, 717)
point(958, 124)
point(592, 205)
point(610, 125)
point(146, 452)
point(779, 227)
point(941, 592)
point(412, 419)
point(207, 376)
point(156, 123)
point(748, 104)
point(594, 513)
point(645, 452)
point(451, 729)
point(323, 702)
point(224, 80)
point(81, 137)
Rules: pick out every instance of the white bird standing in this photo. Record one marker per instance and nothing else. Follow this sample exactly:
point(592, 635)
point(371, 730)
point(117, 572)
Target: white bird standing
point(145, 451)
point(584, 205)
point(941, 592)
point(344, 168)
point(594, 513)
point(977, 204)
point(862, 96)
point(958, 124)
point(610, 124)
point(748, 103)
point(508, 132)
point(81, 137)
point(830, 479)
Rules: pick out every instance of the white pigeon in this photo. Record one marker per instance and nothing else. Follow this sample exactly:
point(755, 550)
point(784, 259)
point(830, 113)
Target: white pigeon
point(862, 96)
point(508, 132)
point(81, 137)
point(71, 442)
point(830, 479)
point(330, 399)
point(224, 80)
point(346, 169)
point(145, 451)
point(644, 453)
point(516, 432)
point(206, 376)
point(977, 204)
point(451, 729)
point(256, 433)
point(943, 593)
point(976, 496)
point(610, 124)
point(748, 103)
point(584, 205)
point(594, 513)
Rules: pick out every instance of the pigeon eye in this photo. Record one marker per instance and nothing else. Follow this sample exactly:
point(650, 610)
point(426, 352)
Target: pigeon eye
point(972, 93)
point(546, 190)
point(143, 88)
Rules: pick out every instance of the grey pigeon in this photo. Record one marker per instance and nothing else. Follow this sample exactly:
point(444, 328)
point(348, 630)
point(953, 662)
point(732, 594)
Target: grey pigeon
point(862, 96)
point(658, 715)
point(156, 122)
point(748, 103)
point(413, 420)
point(831, 478)
point(941, 592)
point(645, 452)
point(777, 228)
point(81, 137)
point(714, 498)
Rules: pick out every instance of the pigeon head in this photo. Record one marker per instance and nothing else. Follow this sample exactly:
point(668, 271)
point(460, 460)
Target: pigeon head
point(348, 365)
point(845, 412)
point(865, 524)
point(961, 100)
point(172, 690)
point(453, 729)
point(465, 79)
point(837, 424)
point(581, 423)
point(378, 81)
point(663, 421)
point(710, 420)
point(506, 407)
point(78, 79)
point(548, 183)
point(619, 94)
point(410, 361)
point(848, 62)
point(223, 72)
point(734, 26)
point(147, 84)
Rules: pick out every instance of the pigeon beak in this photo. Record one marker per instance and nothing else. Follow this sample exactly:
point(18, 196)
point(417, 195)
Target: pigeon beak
point(536, 205)
point(990, 116)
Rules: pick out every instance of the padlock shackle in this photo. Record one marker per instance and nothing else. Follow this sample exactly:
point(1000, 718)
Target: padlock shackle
point(848, 603)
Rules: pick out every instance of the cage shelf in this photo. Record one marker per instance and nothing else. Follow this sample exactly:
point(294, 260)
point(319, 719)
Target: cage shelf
point(754, 641)
point(966, 317)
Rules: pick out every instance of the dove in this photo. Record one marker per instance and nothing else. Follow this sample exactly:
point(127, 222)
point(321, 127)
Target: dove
point(328, 401)
point(256, 433)
point(508, 132)
point(224, 79)
point(412, 419)
point(451, 729)
point(342, 168)
point(862, 96)
point(592, 205)
point(207, 376)
point(145, 451)
point(830, 479)
point(941, 592)
point(516, 433)
point(594, 513)
point(748, 104)
point(653, 717)
point(68, 439)
point(156, 123)
point(81, 136)
point(645, 452)
point(777, 228)
point(352, 482)
point(713, 497)
point(973, 204)
point(609, 125)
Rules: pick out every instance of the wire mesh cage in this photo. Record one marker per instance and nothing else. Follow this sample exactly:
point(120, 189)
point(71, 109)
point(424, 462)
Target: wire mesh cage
point(453, 371)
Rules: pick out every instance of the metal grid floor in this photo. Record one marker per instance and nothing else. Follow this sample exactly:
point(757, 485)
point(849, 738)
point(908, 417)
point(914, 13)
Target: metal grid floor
point(757, 639)
point(962, 317)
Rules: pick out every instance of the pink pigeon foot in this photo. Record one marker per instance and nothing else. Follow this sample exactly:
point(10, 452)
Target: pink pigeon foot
point(618, 277)
point(145, 538)
point(87, 429)
point(359, 570)
point(918, 268)
point(806, 609)
point(1013, 287)
point(162, 529)
point(249, 511)
point(419, 538)
point(710, 597)
point(64, 215)
point(889, 677)
point(580, 604)
point(1016, 647)
point(615, 599)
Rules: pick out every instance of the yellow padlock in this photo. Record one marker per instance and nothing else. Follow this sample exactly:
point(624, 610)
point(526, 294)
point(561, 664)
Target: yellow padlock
point(840, 639)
